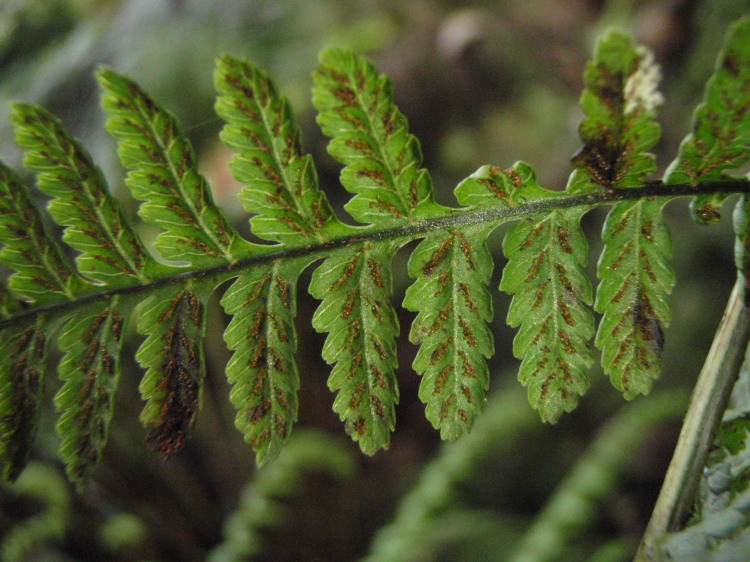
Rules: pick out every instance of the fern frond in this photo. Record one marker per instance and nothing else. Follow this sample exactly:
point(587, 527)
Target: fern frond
point(42, 272)
point(280, 183)
point(262, 369)
point(96, 225)
point(371, 138)
point(452, 270)
point(355, 289)
point(313, 465)
point(594, 474)
point(620, 101)
point(393, 204)
point(546, 254)
point(722, 535)
point(90, 370)
point(281, 189)
point(164, 175)
point(8, 304)
point(632, 295)
point(174, 321)
point(23, 357)
point(720, 140)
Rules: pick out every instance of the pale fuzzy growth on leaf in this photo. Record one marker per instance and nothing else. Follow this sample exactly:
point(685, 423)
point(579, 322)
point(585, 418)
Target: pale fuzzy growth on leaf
point(642, 87)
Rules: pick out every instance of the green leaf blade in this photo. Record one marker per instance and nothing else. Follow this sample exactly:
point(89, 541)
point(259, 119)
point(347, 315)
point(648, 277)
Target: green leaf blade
point(491, 186)
point(452, 270)
point(262, 369)
point(635, 282)
point(164, 175)
point(280, 183)
point(90, 371)
point(42, 272)
point(620, 100)
point(174, 321)
point(355, 289)
point(370, 137)
point(720, 140)
point(96, 224)
point(550, 292)
point(23, 353)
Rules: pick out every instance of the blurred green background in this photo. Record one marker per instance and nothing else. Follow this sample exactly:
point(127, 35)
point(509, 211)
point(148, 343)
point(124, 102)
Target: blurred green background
point(481, 83)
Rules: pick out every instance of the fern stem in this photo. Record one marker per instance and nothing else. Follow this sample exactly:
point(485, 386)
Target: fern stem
point(703, 417)
point(454, 218)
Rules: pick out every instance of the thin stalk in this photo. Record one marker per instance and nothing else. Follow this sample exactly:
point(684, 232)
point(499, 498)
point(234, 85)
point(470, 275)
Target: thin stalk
point(452, 218)
point(702, 420)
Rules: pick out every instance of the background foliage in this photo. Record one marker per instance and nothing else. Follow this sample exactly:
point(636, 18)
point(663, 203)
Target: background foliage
point(480, 82)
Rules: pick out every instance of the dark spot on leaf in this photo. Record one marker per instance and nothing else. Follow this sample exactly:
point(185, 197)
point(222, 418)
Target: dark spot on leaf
point(346, 95)
point(731, 65)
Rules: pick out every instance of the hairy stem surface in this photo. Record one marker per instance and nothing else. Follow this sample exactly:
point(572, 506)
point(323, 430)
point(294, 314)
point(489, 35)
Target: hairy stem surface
point(452, 219)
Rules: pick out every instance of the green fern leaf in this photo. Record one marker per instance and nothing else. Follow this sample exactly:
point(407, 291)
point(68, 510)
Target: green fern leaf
point(393, 204)
point(632, 295)
point(23, 351)
point(280, 184)
point(262, 369)
point(281, 188)
point(546, 254)
point(720, 140)
point(174, 321)
point(452, 270)
point(96, 225)
point(90, 370)
point(164, 174)
point(371, 138)
point(355, 286)
point(620, 100)
point(42, 273)
point(8, 303)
